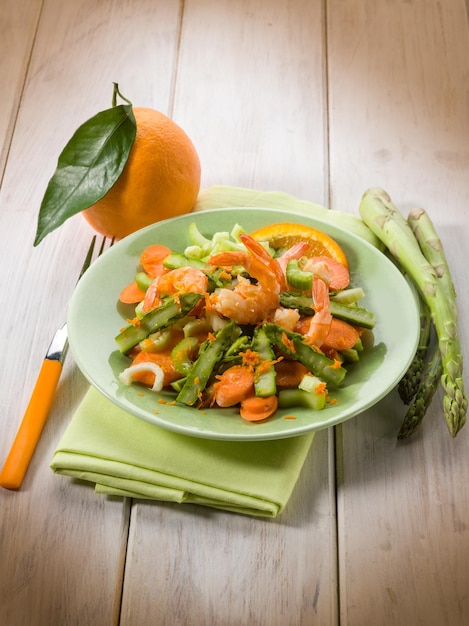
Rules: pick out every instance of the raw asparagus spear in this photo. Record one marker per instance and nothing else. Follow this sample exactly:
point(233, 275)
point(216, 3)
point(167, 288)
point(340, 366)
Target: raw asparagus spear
point(432, 248)
point(409, 384)
point(423, 397)
point(383, 218)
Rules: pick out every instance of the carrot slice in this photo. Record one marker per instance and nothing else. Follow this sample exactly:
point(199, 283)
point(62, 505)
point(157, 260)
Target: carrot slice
point(152, 259)
point(131, 294)
point(341, 335)
point(233, 386)
point(339, 274)
point(289, 373)
point(255, 409)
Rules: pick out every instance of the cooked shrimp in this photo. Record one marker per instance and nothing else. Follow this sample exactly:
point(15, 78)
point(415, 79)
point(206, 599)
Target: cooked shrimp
point(261, 253)
point(327, 274)
point(247, 303)
point(322, 318)
point(180, 280)
point(286, 318)
point(151, 298)
point(295, 252)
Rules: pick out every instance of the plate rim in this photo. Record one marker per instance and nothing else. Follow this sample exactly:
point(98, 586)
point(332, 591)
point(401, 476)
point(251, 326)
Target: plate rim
point(253, 435)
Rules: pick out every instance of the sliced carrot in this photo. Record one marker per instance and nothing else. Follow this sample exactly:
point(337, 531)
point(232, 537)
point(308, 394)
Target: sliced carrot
point(233, 385)
point(131, 294)
point(289, 373)
point(152, 259)
point(341, 335)
point(255, 409)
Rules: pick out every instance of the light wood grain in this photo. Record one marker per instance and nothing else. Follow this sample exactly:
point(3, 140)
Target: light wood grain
point(18, 22)
point(398, 103)
point(262, 67)
point(403, 508)
point(194, 566)
point(317, 99)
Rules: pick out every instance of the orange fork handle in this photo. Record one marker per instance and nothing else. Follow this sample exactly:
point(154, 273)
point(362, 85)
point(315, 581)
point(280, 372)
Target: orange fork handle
point(24, 445)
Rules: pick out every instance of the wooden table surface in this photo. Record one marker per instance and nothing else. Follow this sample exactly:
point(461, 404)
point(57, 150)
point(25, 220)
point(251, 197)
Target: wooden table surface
point(317, 98)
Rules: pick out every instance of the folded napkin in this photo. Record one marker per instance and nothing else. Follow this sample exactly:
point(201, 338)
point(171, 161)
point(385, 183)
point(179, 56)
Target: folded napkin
point(224, 196)
point(126, 456)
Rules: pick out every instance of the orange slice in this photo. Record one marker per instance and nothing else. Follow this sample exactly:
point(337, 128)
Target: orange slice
point(286, 234)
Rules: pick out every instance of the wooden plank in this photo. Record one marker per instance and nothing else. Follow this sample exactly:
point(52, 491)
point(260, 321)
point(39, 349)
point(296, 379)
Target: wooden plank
point(63, 547)
point(18, 22)
point(249, 92)
point(261, 64)
point(398, 105)
point(398, 119)
point(193, 565)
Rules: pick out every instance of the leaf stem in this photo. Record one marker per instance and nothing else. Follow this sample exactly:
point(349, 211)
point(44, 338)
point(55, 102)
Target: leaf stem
point(116, 93)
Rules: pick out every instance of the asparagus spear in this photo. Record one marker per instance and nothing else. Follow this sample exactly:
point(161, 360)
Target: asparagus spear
point(383, 218)
point(432, 248)
point(292, 344)
point(352, 314)
point(265, 383)
point(409, 384)
point(423, 397)
point(161, 317)
point(200, 372)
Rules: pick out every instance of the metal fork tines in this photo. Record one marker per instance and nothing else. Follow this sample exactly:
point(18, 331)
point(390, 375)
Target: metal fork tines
point(24, 445)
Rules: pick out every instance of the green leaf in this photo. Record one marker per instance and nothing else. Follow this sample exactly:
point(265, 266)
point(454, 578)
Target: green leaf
point(88, 166)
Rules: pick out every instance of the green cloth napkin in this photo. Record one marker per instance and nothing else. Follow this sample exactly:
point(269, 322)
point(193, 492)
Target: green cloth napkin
point(224, 196)
point(126, 456)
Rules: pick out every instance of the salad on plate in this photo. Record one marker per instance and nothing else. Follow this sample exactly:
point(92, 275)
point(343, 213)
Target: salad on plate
point(257, 321)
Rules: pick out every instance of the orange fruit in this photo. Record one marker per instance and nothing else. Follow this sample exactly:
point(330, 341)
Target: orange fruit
point(286, 234)
point(161, 179)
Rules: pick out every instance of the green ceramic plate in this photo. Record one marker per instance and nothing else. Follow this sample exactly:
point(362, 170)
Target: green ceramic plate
point(95, 317)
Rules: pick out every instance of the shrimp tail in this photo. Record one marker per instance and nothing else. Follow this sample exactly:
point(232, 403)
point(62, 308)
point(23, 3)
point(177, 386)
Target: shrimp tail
point(261, 253)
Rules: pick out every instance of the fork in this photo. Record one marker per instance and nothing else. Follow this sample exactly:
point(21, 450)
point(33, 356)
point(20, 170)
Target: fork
point(29, 431)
